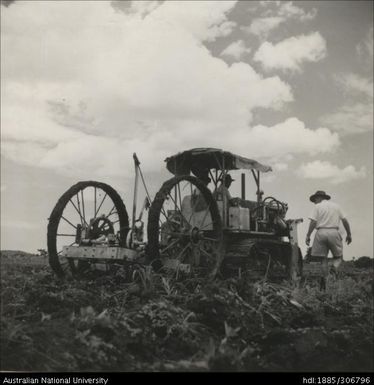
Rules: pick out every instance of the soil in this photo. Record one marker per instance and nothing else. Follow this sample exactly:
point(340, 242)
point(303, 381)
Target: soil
point(143, 321)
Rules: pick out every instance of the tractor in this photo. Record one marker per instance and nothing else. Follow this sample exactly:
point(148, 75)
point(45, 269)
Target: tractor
point(194, 227)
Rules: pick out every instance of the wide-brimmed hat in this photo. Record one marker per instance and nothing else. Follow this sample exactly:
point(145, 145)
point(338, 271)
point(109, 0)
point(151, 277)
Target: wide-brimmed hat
point(228, 178)
point(206, 179)
point(319, 193)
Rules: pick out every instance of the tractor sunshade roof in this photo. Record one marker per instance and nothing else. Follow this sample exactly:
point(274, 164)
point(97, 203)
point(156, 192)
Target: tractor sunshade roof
point(199, 160)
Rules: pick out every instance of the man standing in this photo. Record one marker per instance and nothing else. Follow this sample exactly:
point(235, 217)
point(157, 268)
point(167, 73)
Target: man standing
point(223, 189)
point(325, 218)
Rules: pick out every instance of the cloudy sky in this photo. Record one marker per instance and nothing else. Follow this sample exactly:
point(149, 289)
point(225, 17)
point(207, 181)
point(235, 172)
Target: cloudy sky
point(85, 84)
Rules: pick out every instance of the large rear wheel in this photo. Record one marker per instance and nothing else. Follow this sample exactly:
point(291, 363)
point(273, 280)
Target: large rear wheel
point(185, 228)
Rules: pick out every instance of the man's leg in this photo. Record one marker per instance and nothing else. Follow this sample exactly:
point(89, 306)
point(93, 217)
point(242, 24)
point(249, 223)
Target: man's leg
point(336, 261)
point(336, 247)
point(319, 253)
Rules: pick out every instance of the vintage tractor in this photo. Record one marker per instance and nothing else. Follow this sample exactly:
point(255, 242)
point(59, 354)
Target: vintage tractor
point(194, 227)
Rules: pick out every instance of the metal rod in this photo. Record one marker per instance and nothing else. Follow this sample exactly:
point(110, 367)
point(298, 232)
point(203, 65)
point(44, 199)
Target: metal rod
point(170, 245)
point(176, 205)
point(212, 176)
point(179, 194)
point(145, 186)
point(79, 208)
point(66, 235)
point(136, 164)
point(224, 198)
point(175, 198)
point(68, 221)
point(257, 179)
point(83, 210)
point(79, 213)
point(97, 212)
point(110, 212)
point(258, 187)
point(95, 202)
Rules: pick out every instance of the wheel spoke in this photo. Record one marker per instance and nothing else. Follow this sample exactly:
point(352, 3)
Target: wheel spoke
point(210, 239)
point(97, 211)
point(211, 223)
point(181, 253)
point(205, 252)
point(76, 209)
point(178, 208)
point(79, 208)
point(68, 221)
point(66, 235)
point(110, 212)
point(179, 194)
point(170, 245)
point(84, 214)
point(175, 234)
point(207, 210)
point(95, 202)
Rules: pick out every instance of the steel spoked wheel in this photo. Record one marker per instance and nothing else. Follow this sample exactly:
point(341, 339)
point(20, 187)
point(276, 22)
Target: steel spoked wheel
point(185, 228)
point(84, 215)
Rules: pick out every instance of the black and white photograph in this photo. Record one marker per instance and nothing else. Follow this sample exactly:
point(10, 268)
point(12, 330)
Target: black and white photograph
point(186, 186)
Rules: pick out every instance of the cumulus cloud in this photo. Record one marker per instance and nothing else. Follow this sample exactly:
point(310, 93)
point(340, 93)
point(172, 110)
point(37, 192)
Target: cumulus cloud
point(291, 53)
point(291, 137)
point(104, 83)
point(263, 25)
point(353, 83)
point(356, 115)
point(351, 119)
point(275, 13)
point(289, 10)
point(330, 172)
point(142, 8)
point(365, 47)
point(236, 50)
point(280, 166)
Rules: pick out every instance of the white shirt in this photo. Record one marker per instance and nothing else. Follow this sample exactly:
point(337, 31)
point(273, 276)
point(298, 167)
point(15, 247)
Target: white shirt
point(327, 214)
point(222, 190)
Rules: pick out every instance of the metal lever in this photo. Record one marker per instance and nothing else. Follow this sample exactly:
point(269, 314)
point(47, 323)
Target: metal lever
point(136, 160)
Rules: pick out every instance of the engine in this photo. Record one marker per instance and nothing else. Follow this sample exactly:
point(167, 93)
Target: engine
point(269, 217)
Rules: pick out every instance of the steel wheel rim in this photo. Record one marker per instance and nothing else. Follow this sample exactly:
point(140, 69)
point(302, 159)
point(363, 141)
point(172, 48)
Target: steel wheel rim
point(68, 215)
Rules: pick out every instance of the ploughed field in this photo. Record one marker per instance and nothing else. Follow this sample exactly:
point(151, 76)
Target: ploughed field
point(142, 321)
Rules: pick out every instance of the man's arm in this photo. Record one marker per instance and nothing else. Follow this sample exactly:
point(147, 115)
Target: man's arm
point(347, 228)
point(312, 226)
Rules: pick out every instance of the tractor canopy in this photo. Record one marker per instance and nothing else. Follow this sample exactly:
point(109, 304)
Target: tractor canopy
point(199, 160)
